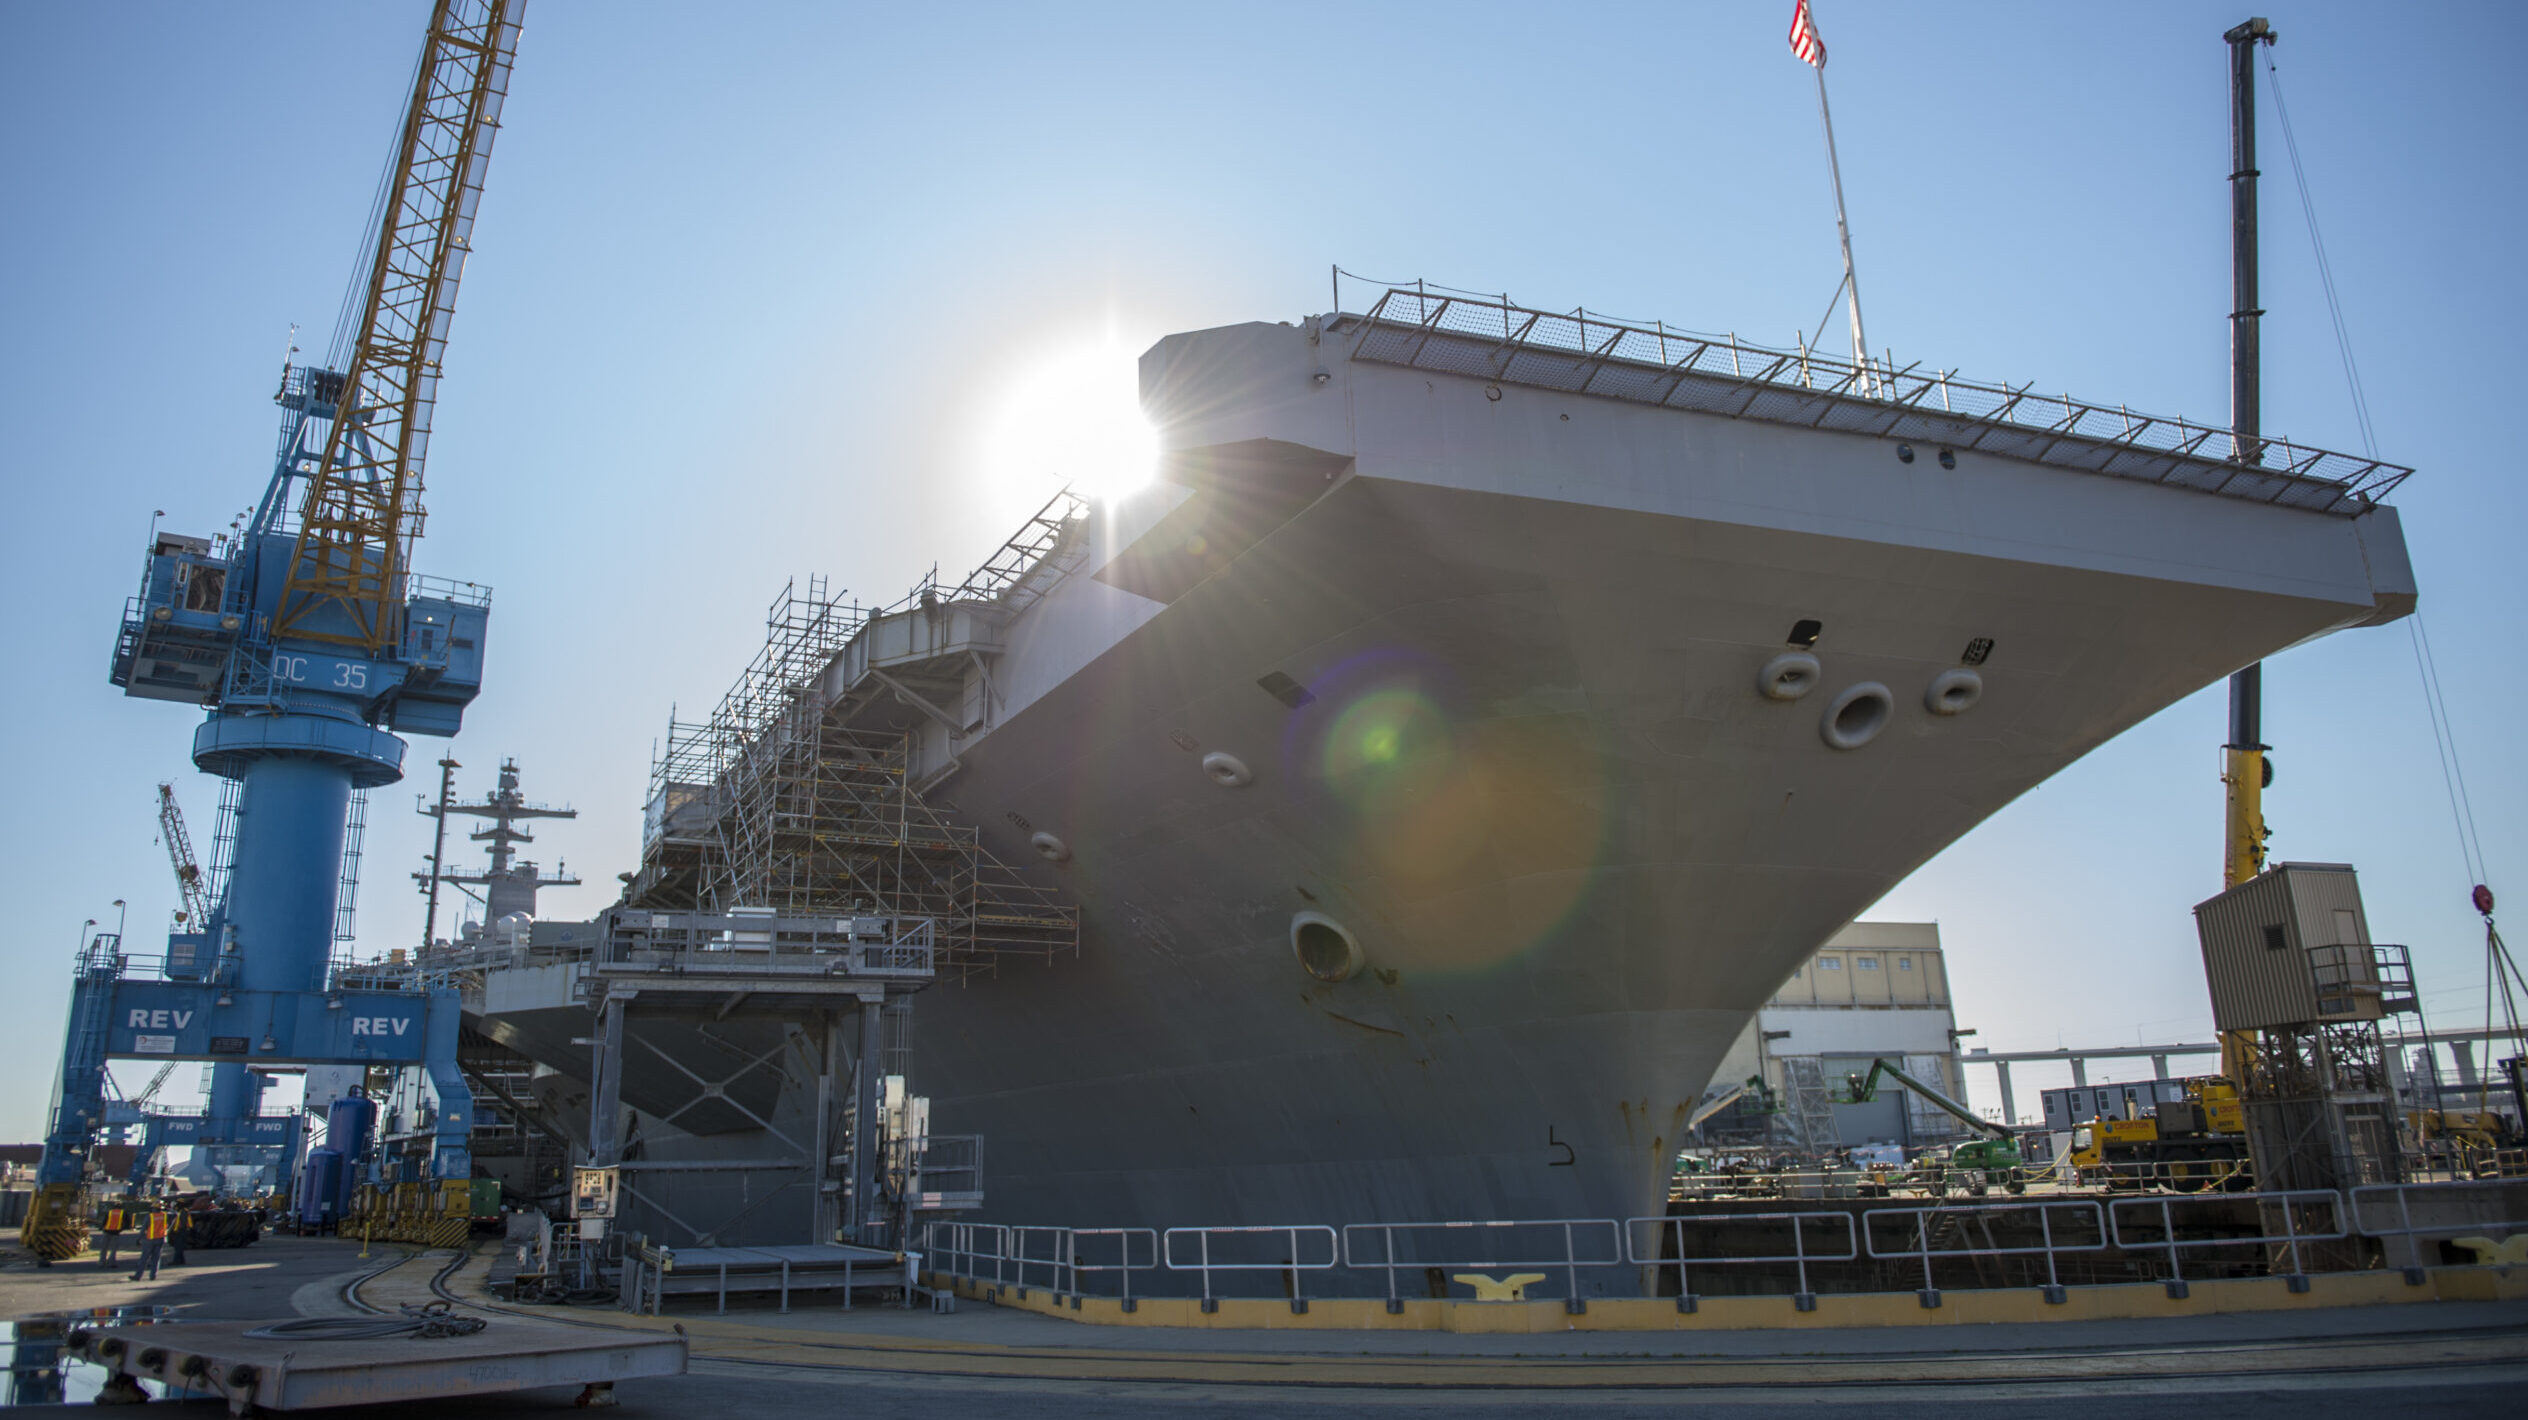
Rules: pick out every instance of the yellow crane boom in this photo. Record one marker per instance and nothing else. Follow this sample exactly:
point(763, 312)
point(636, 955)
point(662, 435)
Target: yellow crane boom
point(363, 507)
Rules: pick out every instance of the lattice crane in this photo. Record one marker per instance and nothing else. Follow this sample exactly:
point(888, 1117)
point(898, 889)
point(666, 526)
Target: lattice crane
point(313, 646)
point(149, 1091)
point(306, 635)
point(196, 893)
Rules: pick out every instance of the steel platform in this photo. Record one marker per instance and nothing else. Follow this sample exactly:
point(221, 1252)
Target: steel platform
point(218, 1358)
point(651, 1274)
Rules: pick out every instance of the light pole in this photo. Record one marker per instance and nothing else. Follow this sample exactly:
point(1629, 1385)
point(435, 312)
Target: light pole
point(119, 912)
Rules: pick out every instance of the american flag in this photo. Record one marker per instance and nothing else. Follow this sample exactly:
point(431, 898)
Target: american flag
point(1805, 41)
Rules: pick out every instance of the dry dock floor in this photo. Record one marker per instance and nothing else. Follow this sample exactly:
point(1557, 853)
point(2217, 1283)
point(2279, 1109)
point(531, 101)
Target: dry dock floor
point(2456, 1358)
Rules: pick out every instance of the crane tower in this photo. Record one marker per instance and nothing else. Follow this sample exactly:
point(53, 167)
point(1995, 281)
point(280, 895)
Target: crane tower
point(314, 646)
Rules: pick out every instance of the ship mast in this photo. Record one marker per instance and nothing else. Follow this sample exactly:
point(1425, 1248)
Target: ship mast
point(1810, 46)
point(510, 884)
point(1843, 228)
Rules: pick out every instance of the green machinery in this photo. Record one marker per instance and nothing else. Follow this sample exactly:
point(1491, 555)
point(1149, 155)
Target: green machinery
point(1981, 1163)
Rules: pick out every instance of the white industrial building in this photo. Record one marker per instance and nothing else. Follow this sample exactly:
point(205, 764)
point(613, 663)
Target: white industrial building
point(1876, 990)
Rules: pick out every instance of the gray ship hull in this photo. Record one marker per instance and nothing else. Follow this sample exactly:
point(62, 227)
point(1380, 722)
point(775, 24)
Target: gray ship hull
point(1474, 672)
point(1596, 847)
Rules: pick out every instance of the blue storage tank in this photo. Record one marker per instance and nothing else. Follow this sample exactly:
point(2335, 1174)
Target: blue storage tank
point(347, 1128)
point(321, 1192)
point(347, 1123)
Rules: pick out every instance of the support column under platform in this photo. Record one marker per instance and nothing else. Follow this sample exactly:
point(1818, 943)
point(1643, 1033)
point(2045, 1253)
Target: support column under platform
point(771, 995)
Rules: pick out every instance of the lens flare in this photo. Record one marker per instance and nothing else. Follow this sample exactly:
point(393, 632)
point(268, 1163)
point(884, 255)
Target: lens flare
point(1387, 743)
point(1478, 836)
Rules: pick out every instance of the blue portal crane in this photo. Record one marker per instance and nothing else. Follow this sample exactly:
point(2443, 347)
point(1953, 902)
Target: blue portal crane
point(313, 645)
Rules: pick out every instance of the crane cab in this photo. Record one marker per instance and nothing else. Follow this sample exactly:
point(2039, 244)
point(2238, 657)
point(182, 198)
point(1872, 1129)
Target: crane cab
point(177, 634)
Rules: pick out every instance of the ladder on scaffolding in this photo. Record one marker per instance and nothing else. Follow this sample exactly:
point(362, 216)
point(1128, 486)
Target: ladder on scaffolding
point(1812, 1114)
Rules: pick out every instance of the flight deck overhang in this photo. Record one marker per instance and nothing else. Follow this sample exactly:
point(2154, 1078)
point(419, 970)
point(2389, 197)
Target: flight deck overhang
point(1435, 405)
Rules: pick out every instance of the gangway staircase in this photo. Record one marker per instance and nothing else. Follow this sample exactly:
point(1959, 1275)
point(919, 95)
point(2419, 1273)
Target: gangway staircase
point(1812, 1112)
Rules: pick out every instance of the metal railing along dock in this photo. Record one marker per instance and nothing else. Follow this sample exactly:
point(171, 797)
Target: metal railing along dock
point(2000, 1242)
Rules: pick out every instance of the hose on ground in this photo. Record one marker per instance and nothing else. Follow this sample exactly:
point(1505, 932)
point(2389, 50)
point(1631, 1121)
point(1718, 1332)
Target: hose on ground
point(555, 1294)
point(427, 1322)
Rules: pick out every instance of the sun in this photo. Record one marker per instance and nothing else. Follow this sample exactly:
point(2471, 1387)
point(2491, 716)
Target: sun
point(1077, 418)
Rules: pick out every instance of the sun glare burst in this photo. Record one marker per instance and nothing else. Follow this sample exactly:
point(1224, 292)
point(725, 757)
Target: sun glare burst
point(1077, 418)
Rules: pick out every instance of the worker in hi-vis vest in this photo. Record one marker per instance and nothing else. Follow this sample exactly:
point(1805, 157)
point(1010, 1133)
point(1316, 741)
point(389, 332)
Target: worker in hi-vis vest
point(110, 1234)
point(153, 1243)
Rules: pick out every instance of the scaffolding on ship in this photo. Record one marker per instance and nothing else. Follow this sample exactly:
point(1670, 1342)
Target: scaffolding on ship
point(785, 799)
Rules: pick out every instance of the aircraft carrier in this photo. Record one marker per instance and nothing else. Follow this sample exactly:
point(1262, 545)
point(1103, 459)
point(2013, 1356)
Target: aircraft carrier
point(1397, 809)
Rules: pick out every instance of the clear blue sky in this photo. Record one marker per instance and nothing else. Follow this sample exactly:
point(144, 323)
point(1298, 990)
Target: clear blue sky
point(751, 282)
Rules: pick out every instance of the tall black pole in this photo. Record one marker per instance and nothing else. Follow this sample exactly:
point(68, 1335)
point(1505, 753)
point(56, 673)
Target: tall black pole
point(2243, 766)
point(2245, 367)
point(2243, 763)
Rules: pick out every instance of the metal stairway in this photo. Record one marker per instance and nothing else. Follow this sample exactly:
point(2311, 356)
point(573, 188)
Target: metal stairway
point(1811, 1113)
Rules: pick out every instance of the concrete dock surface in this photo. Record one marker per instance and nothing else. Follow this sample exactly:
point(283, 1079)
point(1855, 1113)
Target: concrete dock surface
point(2458, 1358)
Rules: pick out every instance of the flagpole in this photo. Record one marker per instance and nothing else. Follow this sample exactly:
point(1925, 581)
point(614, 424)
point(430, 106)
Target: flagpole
point(1843, 229)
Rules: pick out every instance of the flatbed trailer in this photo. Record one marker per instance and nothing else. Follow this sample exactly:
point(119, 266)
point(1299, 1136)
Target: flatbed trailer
point(305, 1369)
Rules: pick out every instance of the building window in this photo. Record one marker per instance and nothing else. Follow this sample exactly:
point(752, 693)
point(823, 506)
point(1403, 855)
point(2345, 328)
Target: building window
point(1904, 963)
point(1829, 964)
point(1866, 963)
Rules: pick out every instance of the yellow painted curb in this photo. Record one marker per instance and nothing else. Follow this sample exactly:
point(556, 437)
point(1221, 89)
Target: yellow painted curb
point(2116, 1302)
point(736, 1340)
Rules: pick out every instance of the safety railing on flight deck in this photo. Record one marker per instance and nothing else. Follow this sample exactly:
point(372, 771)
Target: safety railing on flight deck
point(1431, 1244)
point(1649, 362)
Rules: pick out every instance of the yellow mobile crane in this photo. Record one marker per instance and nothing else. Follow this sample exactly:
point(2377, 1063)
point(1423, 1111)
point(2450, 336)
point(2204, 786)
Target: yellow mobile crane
point(2197, 1144)
point(2245, 771)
